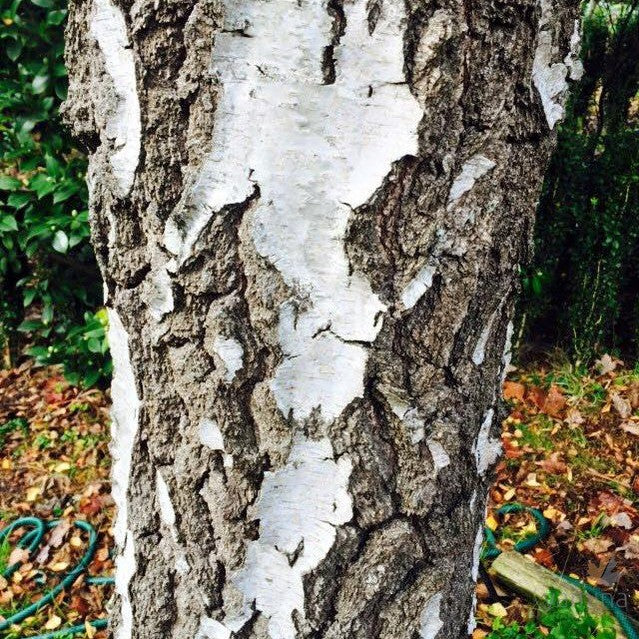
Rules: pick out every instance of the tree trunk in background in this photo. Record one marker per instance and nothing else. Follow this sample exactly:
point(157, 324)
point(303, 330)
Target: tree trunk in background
point(309, 217)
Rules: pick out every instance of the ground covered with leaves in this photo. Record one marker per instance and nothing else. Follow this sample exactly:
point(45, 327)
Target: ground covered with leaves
point(54, 464)
point(571, 445)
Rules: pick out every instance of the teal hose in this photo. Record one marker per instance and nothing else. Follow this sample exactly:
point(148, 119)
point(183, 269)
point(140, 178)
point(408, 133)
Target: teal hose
point(543, 530)
point(491, 551)
point(100, 624)
point(31, 541)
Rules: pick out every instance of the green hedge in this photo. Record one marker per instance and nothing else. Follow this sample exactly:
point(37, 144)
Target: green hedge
point(582, 291)
point(51, 288)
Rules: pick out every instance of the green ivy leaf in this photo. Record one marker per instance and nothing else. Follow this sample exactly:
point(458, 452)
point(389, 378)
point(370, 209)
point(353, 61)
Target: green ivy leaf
point(19, 199)
point(29, 326)
point(40, 83)
point(8, 183)
point(14, 49)
point(8, 223)
point(29, 296)
point(64, 193)
point(56, 17)
point(60, 242)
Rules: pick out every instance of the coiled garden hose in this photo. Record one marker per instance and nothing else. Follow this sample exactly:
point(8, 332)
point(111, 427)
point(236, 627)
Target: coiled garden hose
point(491, 551)
point(30, 541)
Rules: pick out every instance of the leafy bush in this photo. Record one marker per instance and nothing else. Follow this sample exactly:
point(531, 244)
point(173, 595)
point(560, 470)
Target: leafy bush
point(84, 352)
point(561, 620)
point(48, 272)
point(581, 291)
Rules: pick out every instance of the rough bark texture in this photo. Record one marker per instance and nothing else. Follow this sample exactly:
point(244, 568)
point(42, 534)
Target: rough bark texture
point(309, 217)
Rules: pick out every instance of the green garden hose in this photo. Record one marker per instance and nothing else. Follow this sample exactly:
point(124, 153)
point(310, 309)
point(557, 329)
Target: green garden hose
point(491, 551)
point(37, 528)
point(543, 530)
point(31, 541)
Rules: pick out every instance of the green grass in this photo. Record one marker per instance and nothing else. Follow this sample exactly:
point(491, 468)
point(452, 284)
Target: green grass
point(576, 383)
point(5, 551)
point(536, 434)
point(596, 529)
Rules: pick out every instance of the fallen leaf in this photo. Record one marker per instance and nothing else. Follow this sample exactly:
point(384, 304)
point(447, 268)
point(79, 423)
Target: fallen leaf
point(631, 549)
point(597, 545)
point(60, 566)
point(18, 556)
point(33, 493)
point(53, 622)
point(574, 417)
point(76, 542)
point(531, 480)
point(564, 527)
point(606, 364)
point(92, 506)
point(553, 464)
point(622, 520)
point(537, 396)
point(497, 610)
point(553, 514)
point(555, 402)
point(544, 557)
point(102, 554)
point(79, 604)
point(622, 405)
point(514, 390)
point(89, 630)
point(631, 428)
point(511, 450)
point(59, 533)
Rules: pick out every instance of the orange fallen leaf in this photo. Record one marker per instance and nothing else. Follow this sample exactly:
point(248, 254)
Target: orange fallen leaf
point(102, 554)
point(555, 402)
point(514, 390)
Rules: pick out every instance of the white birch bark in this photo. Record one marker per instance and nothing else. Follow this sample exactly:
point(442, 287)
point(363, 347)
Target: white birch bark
point(309, 216)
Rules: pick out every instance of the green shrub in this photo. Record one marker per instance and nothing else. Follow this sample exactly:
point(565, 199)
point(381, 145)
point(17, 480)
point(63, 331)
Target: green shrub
point(562, 619)
point(84, 352)
point(51, 285)
point(580, 293)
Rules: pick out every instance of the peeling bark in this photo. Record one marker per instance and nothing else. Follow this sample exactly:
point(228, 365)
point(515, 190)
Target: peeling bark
point(309, 217)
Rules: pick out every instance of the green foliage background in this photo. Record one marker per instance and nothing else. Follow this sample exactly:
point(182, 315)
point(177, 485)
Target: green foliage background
point(581, 292)
point(51, 287)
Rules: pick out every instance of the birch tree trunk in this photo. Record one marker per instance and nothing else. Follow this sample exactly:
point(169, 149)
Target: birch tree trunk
point(309, 216)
